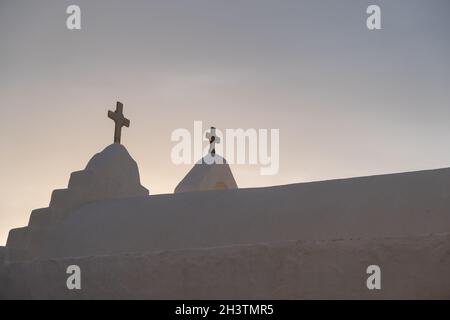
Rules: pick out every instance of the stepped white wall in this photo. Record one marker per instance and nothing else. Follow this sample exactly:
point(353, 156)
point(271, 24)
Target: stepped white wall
point(404, 204)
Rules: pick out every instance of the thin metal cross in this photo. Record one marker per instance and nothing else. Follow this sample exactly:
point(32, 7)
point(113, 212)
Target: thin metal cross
point(119, 120)
point(213, 139)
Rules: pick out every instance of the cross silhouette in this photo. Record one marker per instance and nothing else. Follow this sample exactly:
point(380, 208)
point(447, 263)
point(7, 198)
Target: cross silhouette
point(119, 120)
point(213, 139)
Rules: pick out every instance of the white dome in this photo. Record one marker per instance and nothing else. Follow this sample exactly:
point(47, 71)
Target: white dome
point(208, 175)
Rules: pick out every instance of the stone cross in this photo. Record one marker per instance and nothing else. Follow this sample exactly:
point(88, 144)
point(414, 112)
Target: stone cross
point(120, 121)
point(213, 139)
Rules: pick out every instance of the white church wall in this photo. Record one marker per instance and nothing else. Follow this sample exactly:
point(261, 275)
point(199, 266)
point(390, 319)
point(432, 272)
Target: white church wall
point(411, 268)
point(406, 204)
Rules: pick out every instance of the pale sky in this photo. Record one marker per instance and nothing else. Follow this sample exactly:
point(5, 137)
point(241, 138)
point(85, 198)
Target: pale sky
point(347, 101)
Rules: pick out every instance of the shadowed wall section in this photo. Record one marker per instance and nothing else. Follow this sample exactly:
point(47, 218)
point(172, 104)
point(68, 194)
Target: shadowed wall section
point(411, 268)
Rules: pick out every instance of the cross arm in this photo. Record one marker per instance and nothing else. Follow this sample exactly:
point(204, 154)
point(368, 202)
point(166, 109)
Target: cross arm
point(111, 115)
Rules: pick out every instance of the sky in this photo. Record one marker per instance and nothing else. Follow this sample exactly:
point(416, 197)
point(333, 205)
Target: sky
point(347, 101)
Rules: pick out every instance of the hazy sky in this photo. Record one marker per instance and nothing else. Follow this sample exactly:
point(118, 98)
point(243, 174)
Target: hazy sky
point(348, 101)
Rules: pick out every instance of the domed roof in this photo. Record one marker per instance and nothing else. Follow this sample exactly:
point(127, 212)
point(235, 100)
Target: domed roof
point(208, 175)
point(110, 174)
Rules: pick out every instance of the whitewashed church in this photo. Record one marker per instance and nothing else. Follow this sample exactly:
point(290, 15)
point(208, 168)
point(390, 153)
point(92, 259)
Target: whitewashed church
point(213, 240)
